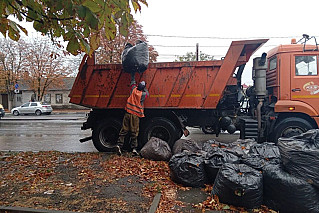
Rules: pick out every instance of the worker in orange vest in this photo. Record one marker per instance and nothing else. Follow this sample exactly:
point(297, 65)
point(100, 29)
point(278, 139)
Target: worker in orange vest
point(134, 111)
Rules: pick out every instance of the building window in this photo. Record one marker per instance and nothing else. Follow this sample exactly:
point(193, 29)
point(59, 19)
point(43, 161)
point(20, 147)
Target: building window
point(47, 98)
point(19, 98)
point(58, 99)
point(306, 65)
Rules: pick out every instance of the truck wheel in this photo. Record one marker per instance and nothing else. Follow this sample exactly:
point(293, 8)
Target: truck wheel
point(289, 127)
point(161, 128)
point(105, 135)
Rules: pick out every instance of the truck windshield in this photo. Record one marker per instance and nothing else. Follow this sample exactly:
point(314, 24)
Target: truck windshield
point(306, 65)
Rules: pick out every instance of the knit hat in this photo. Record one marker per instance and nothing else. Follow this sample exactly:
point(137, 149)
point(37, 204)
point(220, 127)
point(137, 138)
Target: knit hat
point(141, 85)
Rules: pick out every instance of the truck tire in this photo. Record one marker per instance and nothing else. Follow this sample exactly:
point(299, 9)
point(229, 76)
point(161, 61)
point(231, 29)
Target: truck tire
point(161, 128)
point(289, 127)
point(105, 135)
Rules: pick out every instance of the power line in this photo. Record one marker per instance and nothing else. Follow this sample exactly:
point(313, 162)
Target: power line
point(216, 37)
point(182, 46)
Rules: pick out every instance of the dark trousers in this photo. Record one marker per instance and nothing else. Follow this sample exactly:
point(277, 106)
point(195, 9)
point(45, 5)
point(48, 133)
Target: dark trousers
point(130, 124)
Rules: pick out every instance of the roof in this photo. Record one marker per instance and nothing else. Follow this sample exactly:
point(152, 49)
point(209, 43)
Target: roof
point(68, 83)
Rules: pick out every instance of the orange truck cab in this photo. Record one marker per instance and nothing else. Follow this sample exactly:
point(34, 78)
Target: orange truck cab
point(293, 89)
point(209, 94)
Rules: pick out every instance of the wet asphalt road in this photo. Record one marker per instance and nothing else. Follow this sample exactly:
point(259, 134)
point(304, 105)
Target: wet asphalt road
point(44, 133)
point(61, 132)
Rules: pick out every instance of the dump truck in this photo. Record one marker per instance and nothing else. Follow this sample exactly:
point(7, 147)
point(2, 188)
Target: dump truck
point(283, 101)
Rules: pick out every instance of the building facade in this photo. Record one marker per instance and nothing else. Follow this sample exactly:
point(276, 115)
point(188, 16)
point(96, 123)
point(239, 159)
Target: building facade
point(56, 97)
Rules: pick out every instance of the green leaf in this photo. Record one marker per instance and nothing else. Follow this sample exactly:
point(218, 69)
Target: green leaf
point(4, 26)
point(94, 41)
point(91, 20)
point(23, 29)
point(136, 5)
point(93, 6)
point(85, 47)
point(24, 2)
point(81, 11)
point(68, 36)
point(32, 15)
point(86, 31)
point(58, 5)
point(73, 46)
point(38, 26)
point(13, 25)
point(13, 34)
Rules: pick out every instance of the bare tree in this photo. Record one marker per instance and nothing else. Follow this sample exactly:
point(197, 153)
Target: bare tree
point(44, 67)
point(12, 57)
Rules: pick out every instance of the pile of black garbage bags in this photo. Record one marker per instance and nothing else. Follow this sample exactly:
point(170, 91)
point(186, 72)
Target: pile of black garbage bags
point(284, 177)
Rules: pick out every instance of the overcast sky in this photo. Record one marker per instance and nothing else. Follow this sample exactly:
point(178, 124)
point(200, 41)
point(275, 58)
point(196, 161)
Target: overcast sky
point(168, 25)
point(222, 22)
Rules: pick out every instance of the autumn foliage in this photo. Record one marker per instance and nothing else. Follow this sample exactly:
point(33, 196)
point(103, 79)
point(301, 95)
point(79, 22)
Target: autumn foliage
point(94, 182)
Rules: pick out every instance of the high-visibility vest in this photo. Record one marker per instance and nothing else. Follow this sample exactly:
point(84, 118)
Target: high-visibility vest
point(133, 104)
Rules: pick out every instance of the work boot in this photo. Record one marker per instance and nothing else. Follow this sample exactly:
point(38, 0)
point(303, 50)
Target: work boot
point(118, 150)
point(135, 153)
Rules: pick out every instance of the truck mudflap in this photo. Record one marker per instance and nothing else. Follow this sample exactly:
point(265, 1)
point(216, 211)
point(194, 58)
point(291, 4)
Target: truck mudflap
point(84, 126)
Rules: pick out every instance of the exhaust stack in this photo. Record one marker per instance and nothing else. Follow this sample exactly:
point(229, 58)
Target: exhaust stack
point(259, 77)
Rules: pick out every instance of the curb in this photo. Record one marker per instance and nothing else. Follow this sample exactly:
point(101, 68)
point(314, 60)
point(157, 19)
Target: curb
point(10, 209)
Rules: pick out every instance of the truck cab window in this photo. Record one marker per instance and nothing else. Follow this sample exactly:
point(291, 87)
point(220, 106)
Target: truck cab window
point(306, 65)
point(273, 63)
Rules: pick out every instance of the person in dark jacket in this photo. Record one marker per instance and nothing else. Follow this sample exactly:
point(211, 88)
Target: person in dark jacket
point(134, 111)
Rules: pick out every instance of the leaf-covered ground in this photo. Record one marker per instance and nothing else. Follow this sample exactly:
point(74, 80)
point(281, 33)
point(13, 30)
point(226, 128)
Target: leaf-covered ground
point(91, 182)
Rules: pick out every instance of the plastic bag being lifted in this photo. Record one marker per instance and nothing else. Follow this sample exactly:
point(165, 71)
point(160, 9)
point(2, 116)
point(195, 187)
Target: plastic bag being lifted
point(239, 185)
point(286, 193)
point(187, 168)
point(135, 58)
point(156, 149)
point(300, 155)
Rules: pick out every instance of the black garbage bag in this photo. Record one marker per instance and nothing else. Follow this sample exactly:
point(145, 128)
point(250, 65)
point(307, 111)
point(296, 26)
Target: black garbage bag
point(241, 147)
point(215, 160)
point(300, 155)
point(183, 144)
point(156, 149)
point(286, 193)
point(257, 161)
point(261, 154)
point(135, 58)
point(210, 145)
point(187, 168)
point(267, 150)
point(239, 185)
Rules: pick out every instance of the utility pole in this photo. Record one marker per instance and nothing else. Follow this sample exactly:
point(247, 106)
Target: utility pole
point(197, 54)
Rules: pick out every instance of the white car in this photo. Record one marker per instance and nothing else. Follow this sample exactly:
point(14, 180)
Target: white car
point(37, 108)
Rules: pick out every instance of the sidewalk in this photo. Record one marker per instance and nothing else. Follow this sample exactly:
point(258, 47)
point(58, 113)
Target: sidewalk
point(70, 111)
point(57, 114)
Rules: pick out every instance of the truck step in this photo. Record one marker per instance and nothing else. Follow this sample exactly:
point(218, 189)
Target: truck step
point(248, 129)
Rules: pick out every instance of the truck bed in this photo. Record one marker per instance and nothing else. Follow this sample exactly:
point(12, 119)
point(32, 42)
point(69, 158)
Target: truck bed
point(186, 85)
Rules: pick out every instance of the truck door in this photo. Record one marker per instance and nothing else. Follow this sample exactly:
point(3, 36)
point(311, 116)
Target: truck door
point(305, 80)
